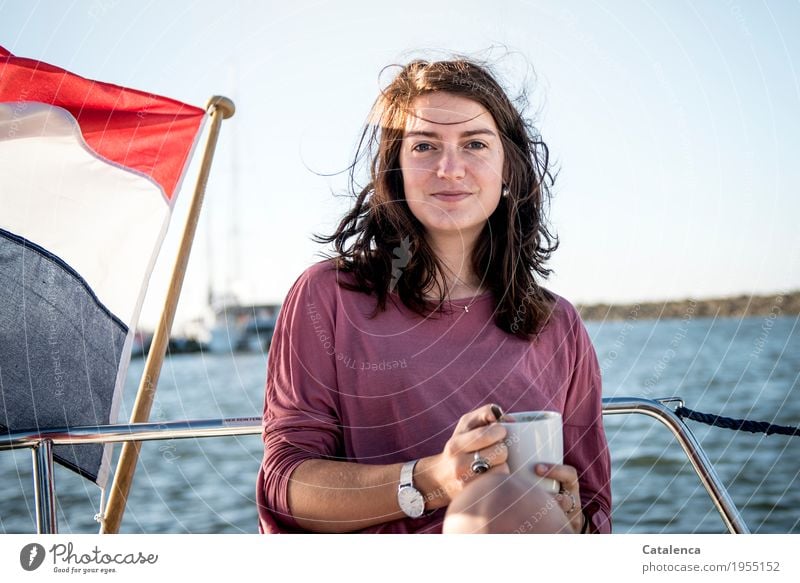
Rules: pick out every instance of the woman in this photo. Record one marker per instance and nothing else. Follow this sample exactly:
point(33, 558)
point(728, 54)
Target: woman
point(392, 361)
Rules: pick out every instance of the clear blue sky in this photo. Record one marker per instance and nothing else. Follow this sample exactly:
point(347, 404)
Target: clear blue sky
point(676, 125)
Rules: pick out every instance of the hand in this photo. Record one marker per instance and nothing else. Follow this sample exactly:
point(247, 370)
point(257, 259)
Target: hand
point(443, 476)
point(569, 497)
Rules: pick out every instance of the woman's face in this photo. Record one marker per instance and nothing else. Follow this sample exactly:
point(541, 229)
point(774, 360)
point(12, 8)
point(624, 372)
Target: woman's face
point(452, 164)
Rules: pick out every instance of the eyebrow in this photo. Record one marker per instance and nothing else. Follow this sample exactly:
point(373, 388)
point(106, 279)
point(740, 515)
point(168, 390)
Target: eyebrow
point(466, 134)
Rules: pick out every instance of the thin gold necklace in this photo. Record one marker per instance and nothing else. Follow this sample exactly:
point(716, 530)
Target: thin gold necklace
point(474, 297)
point(467, 306)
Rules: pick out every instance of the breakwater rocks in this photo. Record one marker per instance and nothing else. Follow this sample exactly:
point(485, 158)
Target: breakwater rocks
point(778, 304)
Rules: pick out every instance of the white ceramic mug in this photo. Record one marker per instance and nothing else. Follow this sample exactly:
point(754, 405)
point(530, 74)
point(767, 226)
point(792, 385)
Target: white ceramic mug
point(534, 437)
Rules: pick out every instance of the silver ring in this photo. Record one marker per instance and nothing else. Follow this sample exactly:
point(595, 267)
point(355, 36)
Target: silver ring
point(480, 464)
point(572, 499)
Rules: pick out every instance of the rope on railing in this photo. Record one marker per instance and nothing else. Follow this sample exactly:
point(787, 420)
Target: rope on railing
point(737, 424)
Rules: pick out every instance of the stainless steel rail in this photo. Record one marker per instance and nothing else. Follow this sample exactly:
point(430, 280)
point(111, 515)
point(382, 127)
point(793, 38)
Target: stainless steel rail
point(133, 432)
point(41, 442)
point(691, 447)
point(45, 487)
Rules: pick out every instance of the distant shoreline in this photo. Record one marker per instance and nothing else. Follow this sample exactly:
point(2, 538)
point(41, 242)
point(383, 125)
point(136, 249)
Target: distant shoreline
point(787, 304)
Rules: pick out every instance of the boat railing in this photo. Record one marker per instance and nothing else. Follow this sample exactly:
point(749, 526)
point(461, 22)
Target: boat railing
point(41, 445)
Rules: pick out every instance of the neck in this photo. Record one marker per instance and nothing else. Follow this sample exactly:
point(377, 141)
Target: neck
point(455, 255)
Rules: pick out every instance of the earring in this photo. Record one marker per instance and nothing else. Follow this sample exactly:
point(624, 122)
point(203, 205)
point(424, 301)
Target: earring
point(504, 192)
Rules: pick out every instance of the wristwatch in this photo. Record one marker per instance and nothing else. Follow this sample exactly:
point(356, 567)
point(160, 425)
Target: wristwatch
point(410, 500)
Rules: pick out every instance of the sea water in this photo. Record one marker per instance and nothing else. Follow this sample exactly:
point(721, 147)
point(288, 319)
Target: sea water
point(741, 368)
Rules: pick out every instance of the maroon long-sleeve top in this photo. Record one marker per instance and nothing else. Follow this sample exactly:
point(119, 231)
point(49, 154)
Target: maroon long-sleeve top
point(343, 386)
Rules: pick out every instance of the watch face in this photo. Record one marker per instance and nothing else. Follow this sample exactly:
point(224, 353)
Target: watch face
point(411, 501)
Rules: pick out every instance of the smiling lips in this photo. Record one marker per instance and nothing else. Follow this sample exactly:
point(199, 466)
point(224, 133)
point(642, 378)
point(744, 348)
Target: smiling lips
point(451, 195)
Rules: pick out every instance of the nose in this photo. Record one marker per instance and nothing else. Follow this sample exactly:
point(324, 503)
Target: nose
point(451, 164)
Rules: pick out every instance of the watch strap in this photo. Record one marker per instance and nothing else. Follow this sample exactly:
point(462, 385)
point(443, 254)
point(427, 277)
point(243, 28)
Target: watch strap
point(407, 474)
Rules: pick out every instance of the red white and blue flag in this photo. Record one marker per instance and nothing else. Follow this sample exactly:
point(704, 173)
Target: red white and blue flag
point(88, 177)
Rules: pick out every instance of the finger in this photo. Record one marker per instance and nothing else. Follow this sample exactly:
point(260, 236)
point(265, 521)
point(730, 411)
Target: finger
point(495, 454)
point(567, 475)
point(478, 439)
point(566, 504)
point(497, 412)
point(571, 510)
point(500, 469)
point(477, 418)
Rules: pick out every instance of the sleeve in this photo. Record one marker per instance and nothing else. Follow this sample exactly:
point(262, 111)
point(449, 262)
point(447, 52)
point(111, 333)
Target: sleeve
point(585, 443)
point(301, 405)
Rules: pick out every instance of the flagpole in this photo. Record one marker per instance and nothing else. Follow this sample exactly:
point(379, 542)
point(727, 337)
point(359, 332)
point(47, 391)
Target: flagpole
point(219, 108)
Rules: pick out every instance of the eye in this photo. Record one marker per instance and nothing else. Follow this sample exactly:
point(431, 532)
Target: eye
point(476, 145)
point(422, 147)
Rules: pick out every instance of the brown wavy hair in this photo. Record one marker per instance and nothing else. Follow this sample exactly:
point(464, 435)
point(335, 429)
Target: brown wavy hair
point(512, 249)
